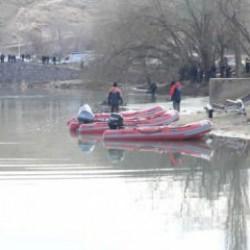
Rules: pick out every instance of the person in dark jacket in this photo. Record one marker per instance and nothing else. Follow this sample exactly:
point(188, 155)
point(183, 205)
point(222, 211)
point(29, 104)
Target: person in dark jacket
point(153, 89)
point(115, 98)
point(2, 58)
point(175, 94)
point(247, 65)
point(54, 60)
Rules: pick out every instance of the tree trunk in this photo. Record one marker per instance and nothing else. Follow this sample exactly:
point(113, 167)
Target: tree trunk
point(237, 53)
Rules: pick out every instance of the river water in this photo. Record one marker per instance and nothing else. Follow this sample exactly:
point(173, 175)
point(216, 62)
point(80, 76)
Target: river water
point(61, 191)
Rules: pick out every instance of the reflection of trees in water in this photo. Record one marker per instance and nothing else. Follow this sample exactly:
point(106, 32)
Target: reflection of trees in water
point(231, 163)
point(228, 175)
point(236, 224)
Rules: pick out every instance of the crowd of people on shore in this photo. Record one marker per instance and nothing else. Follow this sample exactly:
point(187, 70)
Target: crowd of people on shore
point(10, 58)
point(196, 74)
point(47, 59)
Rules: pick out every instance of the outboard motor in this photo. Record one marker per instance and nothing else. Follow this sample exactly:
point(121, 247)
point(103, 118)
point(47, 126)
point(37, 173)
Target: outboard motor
point(115, 121)
point(85, 114)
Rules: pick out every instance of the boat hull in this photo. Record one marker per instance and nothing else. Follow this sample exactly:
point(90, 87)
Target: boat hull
point(190, 131)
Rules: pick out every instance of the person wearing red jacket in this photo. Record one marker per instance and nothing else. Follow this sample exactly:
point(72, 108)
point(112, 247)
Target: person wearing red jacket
point(175, 94)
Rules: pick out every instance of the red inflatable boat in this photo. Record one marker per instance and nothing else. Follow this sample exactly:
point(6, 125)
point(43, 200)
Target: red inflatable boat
point(100, 127)
point(193, 130)
point(73, 125)
point(149, 113)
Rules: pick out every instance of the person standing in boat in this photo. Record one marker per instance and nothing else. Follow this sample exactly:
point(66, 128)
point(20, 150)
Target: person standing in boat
point(175, 94)
point(115, 98)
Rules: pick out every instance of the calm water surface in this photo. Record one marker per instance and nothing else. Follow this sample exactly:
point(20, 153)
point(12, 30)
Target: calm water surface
point(65, 192)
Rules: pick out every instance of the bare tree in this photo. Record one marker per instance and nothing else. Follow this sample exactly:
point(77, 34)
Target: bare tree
point(173, 33)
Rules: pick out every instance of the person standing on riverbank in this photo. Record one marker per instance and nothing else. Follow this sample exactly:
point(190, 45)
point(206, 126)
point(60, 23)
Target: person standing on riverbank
point(175, 94)
point(115, 98)
point(247, 65)
point(54, 60)
point(2, 58)
point(152, 90)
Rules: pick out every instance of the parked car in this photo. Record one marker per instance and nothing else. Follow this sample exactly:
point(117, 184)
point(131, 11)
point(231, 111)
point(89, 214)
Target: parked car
point(78, 57)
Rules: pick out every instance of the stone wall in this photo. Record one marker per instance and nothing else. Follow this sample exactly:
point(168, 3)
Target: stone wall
point(31, 73)
point(221, 89)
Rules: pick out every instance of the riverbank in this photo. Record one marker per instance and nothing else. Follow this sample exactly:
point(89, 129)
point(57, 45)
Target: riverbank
point(225, 125)
point(35, 74)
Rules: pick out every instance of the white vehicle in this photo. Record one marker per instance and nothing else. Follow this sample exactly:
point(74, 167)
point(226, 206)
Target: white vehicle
point(77, 57)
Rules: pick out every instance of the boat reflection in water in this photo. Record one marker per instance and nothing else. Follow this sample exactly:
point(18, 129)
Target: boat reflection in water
point(116, 155)
point(197, 149)
point(173, 150)
point(86, 147)
point(88, 143)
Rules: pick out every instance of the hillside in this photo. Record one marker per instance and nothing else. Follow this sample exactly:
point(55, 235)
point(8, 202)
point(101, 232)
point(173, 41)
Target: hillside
point(44, 21)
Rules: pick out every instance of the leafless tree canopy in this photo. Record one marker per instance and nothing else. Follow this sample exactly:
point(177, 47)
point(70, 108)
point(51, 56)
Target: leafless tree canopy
point(158, 37)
